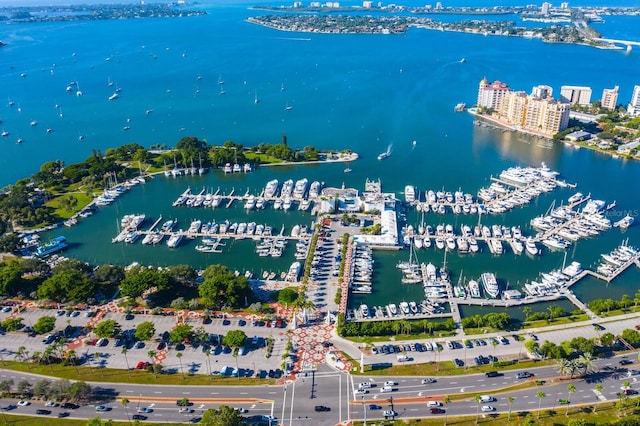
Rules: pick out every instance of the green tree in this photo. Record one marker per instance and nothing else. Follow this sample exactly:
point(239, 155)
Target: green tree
point(234, 339)
point(477, 399)
point(221, 288)
point(446, 401)
point(607, 339)
point(80, 392)
point(180, 333)
point(67, 285)
point(571, 389)
point(12, 324)
point(179, 356)
point(107, 328)
point(531, 345)
point(44, 324)
point(10, 277)
point(125, 403)
point(145, 330)
point(139, 279)
point(288, 296)
point(598, 390)
point(540, 395)
point(152, 355)
point(126, 360)
point(223, 416)
point(510, 399)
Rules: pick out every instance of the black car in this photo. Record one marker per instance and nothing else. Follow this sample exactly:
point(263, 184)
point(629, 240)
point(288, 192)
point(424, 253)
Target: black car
point(437, 410)
point(138, 417)
point(43, 411)
point(321, 408)
point(492, 374)
point(63, 414)
point(625, 362)
point(459, 362)
point(69, 406)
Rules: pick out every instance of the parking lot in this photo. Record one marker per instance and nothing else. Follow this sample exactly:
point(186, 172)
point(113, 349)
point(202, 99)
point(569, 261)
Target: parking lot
point(109, 353)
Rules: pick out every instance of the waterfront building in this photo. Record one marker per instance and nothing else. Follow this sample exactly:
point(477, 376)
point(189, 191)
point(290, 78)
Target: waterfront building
point(609, 98)
point(545, 8)
point(634, 106)
point(564, 5)
point(490, 94)
point(367, 4)
point(542, 91)
point(580, 95)
point(545, 116)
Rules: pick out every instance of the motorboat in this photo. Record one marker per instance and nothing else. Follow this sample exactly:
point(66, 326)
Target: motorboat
point(409, 193)
point(490, 284)
point(271, 188)
point(474, 289)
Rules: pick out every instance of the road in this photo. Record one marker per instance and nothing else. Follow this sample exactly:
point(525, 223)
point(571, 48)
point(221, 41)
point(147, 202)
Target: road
point(294, 402)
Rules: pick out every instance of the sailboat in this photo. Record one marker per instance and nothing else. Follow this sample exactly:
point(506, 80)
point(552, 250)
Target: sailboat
point(256, 100)
point(109, 82)
point(78, 92)
point(288, 107)
point(282, 87)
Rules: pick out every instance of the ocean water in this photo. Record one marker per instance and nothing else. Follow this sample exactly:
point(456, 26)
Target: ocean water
point(360, 92)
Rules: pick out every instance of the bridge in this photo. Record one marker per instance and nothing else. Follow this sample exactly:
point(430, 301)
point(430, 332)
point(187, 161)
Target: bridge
point(627, 43)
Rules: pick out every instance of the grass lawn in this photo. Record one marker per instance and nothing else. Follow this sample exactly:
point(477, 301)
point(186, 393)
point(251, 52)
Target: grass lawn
point(261, 158)
point(56, 203)
point(91, 374)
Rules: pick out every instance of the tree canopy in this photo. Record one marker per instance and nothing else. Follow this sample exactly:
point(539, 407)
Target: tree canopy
point(234, 338)
point(138, 280)
point(67, 285)
point(145, 330)
point(223, 416)
point(107, 328)
point(221, 288)
point(44, 324)
point(288, 295)
point(180, 333)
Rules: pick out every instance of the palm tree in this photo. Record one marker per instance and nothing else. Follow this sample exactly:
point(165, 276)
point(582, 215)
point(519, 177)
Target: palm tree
point(125, 404)
point(152, 354)
point(598, 388)
point(586, 363)
point(446, 400)
point(440, 348)
point(179, 356)
point(526, 311)
point(124, 352)
point(477, 398)
point(571, 389)
point(540, 395)
point(494, 343)
point(207, 352)
point(510, 399)
point(566, 367)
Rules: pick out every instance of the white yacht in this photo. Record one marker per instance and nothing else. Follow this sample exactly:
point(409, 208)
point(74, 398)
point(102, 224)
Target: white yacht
point(409, 193)
point(287, 188)
point(174, 240)
point(314, 190)
point(474, 289)
point(393, 309)
point(404, 308)
point(271, 188)
point(286, 204)
point(572, 270)
point(625, 222)
point(490, 284)
point(364, 310)
point(260, 203)
point(300, 188)
point(250, 204)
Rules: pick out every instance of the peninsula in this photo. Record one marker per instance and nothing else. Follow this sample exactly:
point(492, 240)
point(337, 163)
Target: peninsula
point(570, 25)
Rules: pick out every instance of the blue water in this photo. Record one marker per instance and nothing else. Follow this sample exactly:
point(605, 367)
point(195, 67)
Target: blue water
point(360, 92)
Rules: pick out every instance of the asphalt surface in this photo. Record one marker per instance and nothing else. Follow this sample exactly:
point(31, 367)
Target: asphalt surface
point(294, 403)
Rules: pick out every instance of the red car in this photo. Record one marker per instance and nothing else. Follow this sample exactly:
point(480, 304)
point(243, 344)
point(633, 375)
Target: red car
point(139, 365)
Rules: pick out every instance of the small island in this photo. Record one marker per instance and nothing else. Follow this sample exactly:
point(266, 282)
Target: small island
point(60, 192)
point(93, 12)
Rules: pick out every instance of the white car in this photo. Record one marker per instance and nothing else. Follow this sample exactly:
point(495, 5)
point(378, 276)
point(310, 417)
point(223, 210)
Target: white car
point(389, 383)
point(242, 410)
point(487, 398)
point(428, 380)
point(386, 389)
point(364, 385)
point(389, 413)
point(487, 408)
point(51, 404)
point(23, 403)
point(185, 410)
point(361, 392)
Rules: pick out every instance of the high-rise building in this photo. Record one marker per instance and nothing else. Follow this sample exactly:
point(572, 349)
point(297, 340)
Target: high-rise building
point(634, 106)
point(490, 94)
point(545, 116)
point(564, 5)
point(545, 8)
point(367, 4)
point(609, 98)
point(580, 95)
point(542, 91)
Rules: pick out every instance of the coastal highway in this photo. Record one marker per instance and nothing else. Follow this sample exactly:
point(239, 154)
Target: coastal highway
point(294, 402)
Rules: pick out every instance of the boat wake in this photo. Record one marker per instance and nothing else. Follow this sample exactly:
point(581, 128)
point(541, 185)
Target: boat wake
point(293, 38)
